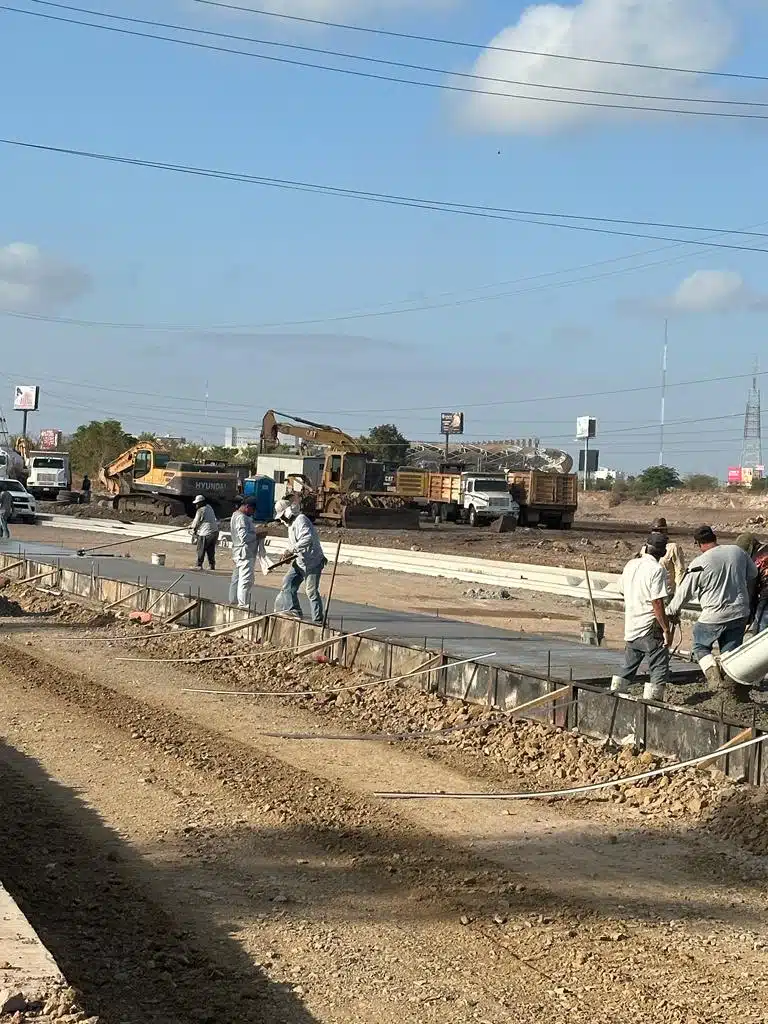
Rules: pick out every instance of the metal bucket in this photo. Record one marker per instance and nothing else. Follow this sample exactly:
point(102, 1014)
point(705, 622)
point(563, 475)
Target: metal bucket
point(157, 558)
point(748, 664)
point(588, 635)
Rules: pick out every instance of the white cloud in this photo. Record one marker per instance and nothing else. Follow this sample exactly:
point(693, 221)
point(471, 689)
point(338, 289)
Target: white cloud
point(32, 281)
point(714, 291)
point(676, 33)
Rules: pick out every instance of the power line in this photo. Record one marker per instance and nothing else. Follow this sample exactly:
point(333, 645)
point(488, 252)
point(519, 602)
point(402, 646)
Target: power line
point(439, 206)
point(153, 23)
point(375, 76)
point(414, 37)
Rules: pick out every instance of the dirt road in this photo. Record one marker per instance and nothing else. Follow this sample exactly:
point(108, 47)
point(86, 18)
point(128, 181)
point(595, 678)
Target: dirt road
point(182, 864)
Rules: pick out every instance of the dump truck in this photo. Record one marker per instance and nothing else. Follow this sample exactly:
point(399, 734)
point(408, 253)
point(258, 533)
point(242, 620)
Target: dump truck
point(49, 474)
point(545, 499)
point(145, 477)
point(460, 497)
point(351, 490)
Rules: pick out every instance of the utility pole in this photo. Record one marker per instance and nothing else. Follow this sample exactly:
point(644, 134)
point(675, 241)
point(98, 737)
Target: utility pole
point(663, 392)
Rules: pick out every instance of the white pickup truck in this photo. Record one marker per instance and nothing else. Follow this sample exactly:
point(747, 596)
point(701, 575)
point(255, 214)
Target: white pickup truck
point(49, 473)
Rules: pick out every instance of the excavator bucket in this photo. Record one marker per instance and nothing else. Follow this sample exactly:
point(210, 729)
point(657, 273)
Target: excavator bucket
point(367, 517)
point(504, 524)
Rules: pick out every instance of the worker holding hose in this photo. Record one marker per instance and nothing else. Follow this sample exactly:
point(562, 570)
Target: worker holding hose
point(723, 579)
point(647, 632)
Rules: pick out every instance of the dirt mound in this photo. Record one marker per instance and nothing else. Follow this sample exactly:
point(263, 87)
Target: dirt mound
point(10, 608)
point(743, 817)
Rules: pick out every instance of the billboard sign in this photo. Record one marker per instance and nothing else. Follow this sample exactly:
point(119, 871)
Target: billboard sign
point(586, 428)
point(747, 475)
point(50, 439)
point(734, 474)
point(26, 397)
point(592, 460)
point(452, 423)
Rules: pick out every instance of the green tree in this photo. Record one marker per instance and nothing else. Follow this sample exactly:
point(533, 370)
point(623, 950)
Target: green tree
point(386, 443)
point(701, 482)
point(96, 444)
point(656, 479)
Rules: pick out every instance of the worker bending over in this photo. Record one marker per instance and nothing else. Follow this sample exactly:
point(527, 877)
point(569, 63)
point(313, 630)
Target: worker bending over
point(647, 632)
point(205, 531)
point(673, 561)
point(305, 553)
point(723, 579)
point(246, 536)
point(758, 552)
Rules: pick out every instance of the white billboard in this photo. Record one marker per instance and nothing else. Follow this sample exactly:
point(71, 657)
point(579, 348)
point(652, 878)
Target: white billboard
point(26, 397)
point(586, 427)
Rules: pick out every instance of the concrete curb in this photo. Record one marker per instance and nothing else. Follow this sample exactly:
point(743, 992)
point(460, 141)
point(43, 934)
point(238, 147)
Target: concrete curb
point(27, 969)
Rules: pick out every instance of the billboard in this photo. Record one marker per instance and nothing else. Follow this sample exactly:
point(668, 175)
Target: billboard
point(586, 427)
point(452, 423)
point(593, 460)
point(50, 439)
point(734, 474)
point(26, 397)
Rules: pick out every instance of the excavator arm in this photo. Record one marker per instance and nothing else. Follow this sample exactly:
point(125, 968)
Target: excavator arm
point(305, 430)
point(109, 476)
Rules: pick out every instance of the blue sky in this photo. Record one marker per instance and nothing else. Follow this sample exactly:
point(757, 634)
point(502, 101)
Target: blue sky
point(93, 241)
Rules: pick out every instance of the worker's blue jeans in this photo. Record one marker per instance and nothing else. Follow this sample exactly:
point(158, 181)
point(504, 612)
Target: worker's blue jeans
point(727, 635)
point(760, 621)
point(288, 598)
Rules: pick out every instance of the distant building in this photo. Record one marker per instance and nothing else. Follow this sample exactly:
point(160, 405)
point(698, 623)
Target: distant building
point(607, 474)
point(242, 437)
point(280, 467)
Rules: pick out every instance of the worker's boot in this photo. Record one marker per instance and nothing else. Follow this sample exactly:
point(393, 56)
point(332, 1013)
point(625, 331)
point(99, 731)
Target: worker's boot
point(619, 685)
point(654, 691)
point(711, 671)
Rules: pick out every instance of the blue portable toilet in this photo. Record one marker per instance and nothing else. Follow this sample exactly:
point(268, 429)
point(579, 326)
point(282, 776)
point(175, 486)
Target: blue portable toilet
point(262, 488)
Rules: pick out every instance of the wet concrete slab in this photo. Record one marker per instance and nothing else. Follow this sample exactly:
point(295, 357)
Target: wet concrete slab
point(541, 654)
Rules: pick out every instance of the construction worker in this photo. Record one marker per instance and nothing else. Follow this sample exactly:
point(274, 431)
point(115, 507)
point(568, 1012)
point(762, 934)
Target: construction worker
point(758, 552)
point(85, 489)
point(673, 561)
point(245, 543)
point(305, 554)
point(6, 513)
point(723, 579)
point(647, 631)
point(205, 531)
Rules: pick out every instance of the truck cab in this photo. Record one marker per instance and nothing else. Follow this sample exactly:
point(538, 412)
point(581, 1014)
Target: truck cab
point(485, 497)
point(49, 473)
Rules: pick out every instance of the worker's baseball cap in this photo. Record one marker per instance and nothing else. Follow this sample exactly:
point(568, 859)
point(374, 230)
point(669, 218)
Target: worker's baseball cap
point(283, 508)
point(198, 499)
point(705, 535)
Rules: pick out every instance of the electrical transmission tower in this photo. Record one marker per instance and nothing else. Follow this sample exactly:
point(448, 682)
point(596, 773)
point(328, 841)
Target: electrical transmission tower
point(752, 449)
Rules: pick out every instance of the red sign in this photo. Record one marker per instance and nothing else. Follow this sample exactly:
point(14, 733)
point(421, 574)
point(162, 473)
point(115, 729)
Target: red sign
point(734, 474)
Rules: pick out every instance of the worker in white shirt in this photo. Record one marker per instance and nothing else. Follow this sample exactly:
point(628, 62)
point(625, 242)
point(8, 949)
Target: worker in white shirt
point(245, 545)
point(205, 531)
point(305, 553)
point(647, 631)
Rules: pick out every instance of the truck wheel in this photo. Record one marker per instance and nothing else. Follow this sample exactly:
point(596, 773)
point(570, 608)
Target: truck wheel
point(474, 519)
point(566, 524)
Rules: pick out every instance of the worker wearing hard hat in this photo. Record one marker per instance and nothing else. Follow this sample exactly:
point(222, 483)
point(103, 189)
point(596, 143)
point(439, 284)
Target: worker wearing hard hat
point(205, 531)
point(245, 544)
point(305, 554)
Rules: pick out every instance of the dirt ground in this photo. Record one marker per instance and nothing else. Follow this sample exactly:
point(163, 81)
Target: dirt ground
point(185, 860)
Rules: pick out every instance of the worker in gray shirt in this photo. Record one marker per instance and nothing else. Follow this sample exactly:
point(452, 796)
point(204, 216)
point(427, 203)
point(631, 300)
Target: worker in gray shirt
point(205, 531)
point(722, 578)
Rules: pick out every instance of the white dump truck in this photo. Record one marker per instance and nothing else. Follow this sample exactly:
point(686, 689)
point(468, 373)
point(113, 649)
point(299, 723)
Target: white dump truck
point(474, 498)
point(49, 474)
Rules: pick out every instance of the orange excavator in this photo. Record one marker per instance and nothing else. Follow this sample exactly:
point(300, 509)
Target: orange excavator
point(351, 492)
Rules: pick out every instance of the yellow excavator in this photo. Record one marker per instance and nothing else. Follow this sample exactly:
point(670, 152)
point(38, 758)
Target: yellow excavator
point(351, 492)
point(145, 477)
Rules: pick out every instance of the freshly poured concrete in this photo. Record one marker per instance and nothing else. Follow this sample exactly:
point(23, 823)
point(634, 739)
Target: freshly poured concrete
point(26, 966)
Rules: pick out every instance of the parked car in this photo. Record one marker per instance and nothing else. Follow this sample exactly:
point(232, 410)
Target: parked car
point(24, 504)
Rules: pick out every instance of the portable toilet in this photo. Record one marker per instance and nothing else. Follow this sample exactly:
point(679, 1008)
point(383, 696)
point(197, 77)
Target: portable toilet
point(262, 489)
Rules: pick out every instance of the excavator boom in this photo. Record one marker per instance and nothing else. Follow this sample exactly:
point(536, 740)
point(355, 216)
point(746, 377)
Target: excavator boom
point(305, 430)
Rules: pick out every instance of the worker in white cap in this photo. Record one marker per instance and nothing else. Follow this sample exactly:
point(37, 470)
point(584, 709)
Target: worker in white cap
point(305, 553)
point(644, 585)
point(205, 531)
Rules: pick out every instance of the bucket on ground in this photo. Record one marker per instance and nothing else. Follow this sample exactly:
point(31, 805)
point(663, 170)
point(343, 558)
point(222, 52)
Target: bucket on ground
point(748, 664)
point(158, 558)
point(589, 636)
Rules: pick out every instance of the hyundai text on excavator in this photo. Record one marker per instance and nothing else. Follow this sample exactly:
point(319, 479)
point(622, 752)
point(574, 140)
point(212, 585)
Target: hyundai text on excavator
point(145, 477)
point(351, 492)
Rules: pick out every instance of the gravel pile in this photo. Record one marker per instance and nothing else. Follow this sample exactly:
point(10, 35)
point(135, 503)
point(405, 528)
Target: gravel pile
point(59, 1007)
